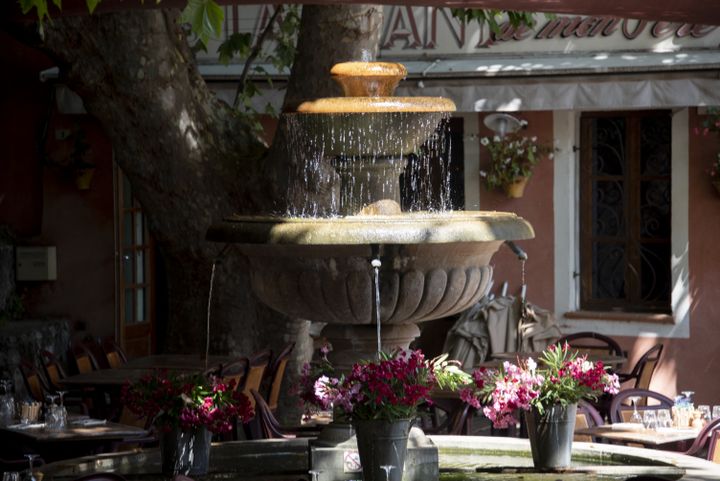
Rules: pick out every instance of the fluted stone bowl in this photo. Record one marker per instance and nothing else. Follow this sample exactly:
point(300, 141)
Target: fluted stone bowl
point(433, 265)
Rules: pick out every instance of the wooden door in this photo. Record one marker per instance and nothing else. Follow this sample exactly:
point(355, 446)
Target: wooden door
point(136, 294)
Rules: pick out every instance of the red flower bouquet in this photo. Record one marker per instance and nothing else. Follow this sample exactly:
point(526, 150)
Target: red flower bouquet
point(171, 400)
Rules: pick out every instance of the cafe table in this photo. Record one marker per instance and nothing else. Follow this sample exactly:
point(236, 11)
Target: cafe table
point(177, 362)
point(81, 437)
point(629, 433)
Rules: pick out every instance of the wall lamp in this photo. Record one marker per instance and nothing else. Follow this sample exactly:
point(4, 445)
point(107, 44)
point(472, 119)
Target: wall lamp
point(502, 123)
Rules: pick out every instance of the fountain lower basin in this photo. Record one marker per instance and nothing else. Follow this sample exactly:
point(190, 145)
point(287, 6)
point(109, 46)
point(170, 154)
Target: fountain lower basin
point(433, 265)
point(461, 458)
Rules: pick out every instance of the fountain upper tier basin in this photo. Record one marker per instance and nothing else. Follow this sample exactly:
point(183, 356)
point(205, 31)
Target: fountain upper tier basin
point(433, 265)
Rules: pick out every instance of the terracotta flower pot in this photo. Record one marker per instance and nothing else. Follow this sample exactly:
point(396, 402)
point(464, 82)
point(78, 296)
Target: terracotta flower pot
point(515, 190)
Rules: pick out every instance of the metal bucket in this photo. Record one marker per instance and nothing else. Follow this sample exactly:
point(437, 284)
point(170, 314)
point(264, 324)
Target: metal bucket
point(185, 452)
point(382, 446)
point(551, 435)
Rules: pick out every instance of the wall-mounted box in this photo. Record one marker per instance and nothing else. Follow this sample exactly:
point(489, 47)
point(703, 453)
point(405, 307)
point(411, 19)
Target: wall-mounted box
point(35, 263)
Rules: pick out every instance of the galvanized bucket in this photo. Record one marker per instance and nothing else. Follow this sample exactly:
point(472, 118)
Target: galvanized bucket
point(551, 435)
point(382, 446)
point(185, 452)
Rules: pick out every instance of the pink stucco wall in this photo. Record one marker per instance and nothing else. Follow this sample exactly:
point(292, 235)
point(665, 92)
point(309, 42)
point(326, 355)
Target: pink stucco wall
point(536, 206)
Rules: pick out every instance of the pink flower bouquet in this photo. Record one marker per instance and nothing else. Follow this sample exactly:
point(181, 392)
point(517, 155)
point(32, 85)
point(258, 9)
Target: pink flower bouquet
point(561, 378)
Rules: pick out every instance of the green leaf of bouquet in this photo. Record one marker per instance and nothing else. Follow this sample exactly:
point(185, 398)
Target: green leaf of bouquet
point(92, 5)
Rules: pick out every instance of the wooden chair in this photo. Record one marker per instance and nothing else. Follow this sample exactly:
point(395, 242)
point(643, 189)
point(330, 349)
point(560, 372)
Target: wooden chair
point(257, 364)
point(620, 410)
point(84, 359)
point(275, 375)
point(587, 417)
point(94, 347)
point(233, 372)
point(264, 425)
point(645, 367)
point(592, 342)
point(713, 453)
point(54, 372)
point(703, 444)
point(35, 383)
point(113, 353)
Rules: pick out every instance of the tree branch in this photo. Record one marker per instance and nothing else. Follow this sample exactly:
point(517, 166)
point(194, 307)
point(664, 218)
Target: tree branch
point(253, 55)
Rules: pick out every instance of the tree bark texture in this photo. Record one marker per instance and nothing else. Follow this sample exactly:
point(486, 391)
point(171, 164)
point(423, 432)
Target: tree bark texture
point(191, 161)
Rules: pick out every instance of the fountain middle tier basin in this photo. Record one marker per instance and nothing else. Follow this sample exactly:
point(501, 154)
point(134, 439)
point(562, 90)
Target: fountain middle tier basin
point(433, 265)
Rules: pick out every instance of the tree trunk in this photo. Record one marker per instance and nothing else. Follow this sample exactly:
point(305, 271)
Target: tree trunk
point(191, 162)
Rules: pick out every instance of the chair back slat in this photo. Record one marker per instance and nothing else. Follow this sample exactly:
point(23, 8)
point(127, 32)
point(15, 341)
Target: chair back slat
point(234, 372)
point(703, 437)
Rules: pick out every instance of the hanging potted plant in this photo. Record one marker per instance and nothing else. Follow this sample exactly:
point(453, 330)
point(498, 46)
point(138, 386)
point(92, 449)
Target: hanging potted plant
point(512, 159)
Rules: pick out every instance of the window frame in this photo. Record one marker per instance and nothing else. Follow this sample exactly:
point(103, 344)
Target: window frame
point(633, 239)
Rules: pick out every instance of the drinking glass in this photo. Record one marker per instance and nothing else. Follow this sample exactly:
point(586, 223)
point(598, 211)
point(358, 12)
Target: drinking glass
point(11, 476)
point(716, 411)
point(636, 417)
point(688, 395)
point(704, 413)
point(62, 411)
point(649, 419)
point(664, 420)
point(31, 475)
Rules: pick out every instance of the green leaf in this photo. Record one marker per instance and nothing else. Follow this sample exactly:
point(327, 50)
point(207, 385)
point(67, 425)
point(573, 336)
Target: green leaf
point(40, 5)
point(92, 5)
point(205, 18)
point(238, 44)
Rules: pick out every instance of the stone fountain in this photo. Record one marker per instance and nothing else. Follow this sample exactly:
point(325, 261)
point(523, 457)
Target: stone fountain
point(370, 265)
point(432, 265)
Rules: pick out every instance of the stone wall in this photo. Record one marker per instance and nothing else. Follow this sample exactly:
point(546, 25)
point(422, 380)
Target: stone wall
point(24, 340)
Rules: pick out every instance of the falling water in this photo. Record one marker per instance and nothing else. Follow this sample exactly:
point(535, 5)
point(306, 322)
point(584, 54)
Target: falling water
point(375, 264)
point(207, 321)
point(365, 153)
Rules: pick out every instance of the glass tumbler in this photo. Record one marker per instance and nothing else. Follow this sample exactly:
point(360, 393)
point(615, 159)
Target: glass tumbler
point(664, 420)
point(716, 411)
point(650, 419)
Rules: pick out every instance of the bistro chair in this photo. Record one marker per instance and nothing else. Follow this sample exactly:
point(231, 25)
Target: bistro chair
point(95, 348)
point(645, 367)
point(114, 354)
point(84, 359)
point(713, 453)
point(448, 416)
point(54, 372)
point(275, 375)
point(35, 383)
point(264, 425)
point(257, 364)
point(703, 445)
point(592, 342)
point(621, 411)
point(587, 417)
point(234, 371)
